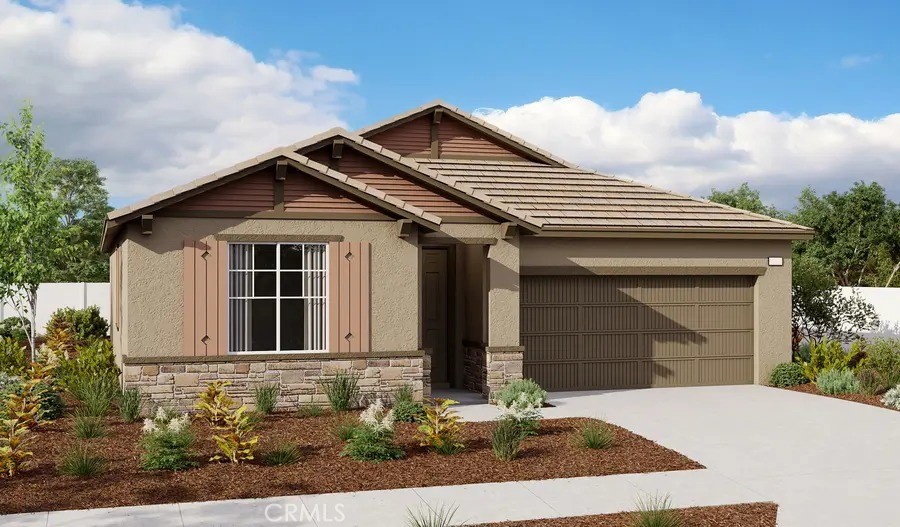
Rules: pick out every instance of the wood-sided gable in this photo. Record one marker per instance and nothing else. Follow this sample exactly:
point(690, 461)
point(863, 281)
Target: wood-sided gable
point(261, 192)
point(449, 138)
point(397, 182)
point(441, 131)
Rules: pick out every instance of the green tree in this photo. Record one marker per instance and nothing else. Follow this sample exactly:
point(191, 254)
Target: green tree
point(856, 233)
point(31, 233)
point(820, 310)
point(78, 185)
point(746, 198)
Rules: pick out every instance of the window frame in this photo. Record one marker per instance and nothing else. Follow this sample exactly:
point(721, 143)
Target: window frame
point(278, 297)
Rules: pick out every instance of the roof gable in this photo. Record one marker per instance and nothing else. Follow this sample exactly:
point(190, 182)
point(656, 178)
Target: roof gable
point(318, 185)
point(422, 131)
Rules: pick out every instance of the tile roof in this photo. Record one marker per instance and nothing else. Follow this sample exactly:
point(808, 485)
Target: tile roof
point(579, 199)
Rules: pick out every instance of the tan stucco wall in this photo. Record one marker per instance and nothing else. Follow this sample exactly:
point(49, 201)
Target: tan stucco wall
point(772, 291)
point(153, 299)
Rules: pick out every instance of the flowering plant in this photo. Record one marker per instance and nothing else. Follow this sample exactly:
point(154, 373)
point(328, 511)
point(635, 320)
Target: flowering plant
point(166, 420)
point(525, 410)
point(377, 417)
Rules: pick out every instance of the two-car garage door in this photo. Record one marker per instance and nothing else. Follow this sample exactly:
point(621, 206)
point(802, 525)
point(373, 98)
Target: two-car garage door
point(602, 332)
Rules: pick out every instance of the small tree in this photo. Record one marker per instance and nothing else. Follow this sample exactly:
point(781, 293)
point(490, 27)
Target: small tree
point(31, 240)
point(821, 311)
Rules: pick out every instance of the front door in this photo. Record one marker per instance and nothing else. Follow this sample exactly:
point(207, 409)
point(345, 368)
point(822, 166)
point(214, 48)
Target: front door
point(434, 318)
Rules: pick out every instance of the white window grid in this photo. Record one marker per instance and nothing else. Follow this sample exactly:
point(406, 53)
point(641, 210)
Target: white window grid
point(316, 321)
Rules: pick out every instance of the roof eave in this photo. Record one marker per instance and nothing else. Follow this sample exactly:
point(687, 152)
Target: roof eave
point(710, 233)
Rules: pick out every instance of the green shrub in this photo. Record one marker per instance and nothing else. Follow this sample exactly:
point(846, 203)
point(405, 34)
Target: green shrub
point(266, 397)
point(283, 454)
point(408, 411)
point(344, 429)
point(787, 374)
point(167, 440)
point(427, 516)
point(81, 463)
point(368, 444)
point(342, 392)
point(837, 382)
point(506, 439)
point(95, 360)
point(883, 355)
point(656, 511)
point(891, 398)
point(595, 435)
point(85, 325)
point(15, 328)
point(511, 392)
point(88, 426)
point(802, 353)
point(870, 381)
point(52, 404)
point(129, 401)
point(830, 355)
point(13, 356)
point(310, 410)
point(96, 394)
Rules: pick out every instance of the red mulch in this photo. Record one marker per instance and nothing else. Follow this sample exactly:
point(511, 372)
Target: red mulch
point(872, 400)
point(321, 470)
point(744, 515)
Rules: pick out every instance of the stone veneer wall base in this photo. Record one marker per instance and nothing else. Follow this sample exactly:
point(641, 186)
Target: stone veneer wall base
point(176, 381)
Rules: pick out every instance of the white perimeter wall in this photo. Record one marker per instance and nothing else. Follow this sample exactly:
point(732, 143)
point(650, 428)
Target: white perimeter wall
point(886, 301)
point(54, 296)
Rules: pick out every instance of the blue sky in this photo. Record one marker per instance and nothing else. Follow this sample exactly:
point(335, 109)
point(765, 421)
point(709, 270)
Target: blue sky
point(684, 95)
point(741, 56)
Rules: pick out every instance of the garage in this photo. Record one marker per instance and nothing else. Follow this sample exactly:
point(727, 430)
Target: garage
point(607, 332)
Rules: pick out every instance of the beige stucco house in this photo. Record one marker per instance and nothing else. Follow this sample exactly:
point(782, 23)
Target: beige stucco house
point(435, 250)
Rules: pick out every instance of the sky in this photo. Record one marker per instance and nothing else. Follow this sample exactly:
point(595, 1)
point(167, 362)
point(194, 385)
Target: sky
point(685, 95)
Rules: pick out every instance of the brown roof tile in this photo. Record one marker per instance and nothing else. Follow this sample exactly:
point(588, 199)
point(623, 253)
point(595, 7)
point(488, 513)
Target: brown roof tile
point(567, 196)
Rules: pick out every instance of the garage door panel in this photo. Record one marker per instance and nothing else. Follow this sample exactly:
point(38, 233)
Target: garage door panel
point(616, 290)
point(726, 343)
point(549, 319)
point(726, 371)
point(553, 347)
point(564, 290)
point(668, 289)
point(637, 331)
point(726, 289)
point(637, 318)
point(555, 376)
point(725, 316)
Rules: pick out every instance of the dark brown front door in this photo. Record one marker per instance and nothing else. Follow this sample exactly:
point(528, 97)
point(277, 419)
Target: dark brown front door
point(434, 317)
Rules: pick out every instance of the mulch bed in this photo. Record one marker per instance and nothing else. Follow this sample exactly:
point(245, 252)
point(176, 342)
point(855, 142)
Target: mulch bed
point(872, 400)
point(549, 455)
point(744, 515)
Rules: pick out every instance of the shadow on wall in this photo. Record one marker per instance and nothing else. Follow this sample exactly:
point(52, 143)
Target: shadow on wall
point(591, 332)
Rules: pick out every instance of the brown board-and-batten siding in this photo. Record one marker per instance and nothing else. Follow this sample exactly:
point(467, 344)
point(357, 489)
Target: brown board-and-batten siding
point(205, 297)
point(349, 297)
point(607, 332)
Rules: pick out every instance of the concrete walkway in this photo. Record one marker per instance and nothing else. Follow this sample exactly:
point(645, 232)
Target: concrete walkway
point(824, 461)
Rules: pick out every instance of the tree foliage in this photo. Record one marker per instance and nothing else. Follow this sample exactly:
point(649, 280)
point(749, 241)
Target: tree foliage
point(857, 236)
point(31, 234)
point(745, 198)
point(85, 201)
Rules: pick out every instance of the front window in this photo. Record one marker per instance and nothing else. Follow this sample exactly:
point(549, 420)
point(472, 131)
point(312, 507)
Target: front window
point(277, 297)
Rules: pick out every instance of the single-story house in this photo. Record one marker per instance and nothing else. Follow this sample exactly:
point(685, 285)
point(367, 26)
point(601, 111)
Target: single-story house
point(436, 250)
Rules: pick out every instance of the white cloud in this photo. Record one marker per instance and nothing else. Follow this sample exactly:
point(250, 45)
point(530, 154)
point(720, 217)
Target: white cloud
point(855, 61)
point(156, 102)
point(673, 140)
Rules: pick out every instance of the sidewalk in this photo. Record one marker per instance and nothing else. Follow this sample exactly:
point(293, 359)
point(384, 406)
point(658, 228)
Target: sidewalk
point(487, 502)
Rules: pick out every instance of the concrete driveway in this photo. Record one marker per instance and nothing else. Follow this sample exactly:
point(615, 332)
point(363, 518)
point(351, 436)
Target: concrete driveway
point(824, 461)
